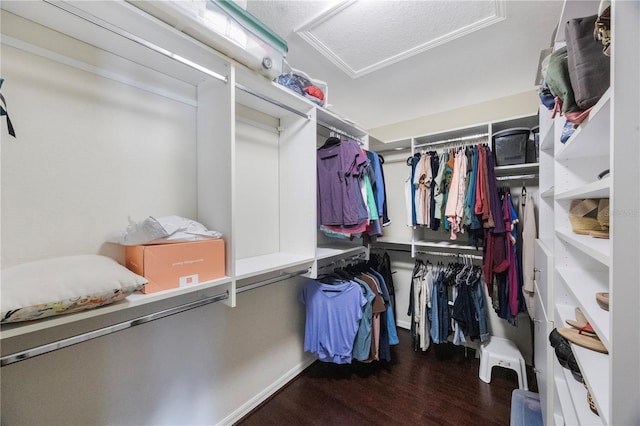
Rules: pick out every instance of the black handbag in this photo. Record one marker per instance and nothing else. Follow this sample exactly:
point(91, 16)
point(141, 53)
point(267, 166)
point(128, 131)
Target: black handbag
point(589, 69)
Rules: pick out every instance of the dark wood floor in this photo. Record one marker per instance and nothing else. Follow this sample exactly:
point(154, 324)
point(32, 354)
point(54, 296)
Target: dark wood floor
point(437, 387)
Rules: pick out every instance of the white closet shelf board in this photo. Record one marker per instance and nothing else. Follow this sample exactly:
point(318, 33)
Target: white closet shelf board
point(583, 285)
point(546, 141)
point(597, 189)
point(253, 266)
point(597, 248)
point(517, 168)
point(450, 137)
point(444, 245)
point(545, 128)
point(589, 360)
point(563, 396)
point(577, 397)
point(548, 193)
point(326, 252)
point(261, 89)
point(129, 33)
point(391, 242)
point(128, 308)
point(331, 119)
point(596, 126)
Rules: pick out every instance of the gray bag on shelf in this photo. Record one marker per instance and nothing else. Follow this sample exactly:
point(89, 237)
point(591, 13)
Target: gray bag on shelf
point(589, 68)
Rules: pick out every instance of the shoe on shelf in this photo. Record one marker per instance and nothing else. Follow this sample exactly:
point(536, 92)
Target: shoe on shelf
point(581, 323)
point(586, 341)
point(592, 404)
point(564, 354)
point(583, 216)
point(603, 300)
point(603, 219)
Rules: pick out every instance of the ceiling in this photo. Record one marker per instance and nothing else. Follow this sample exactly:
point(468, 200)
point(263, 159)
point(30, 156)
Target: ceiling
point(391, 61)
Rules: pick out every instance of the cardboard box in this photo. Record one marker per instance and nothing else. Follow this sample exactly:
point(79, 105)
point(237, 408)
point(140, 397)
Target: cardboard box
point(176, 265)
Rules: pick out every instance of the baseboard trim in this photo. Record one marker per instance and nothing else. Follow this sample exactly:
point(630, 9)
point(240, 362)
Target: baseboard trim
point(246, 408)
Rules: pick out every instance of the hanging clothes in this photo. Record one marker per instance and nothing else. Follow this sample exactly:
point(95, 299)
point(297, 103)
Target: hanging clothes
point(351, 190)
point(338, 334)
point(333, 313)
point(458, 190)
point(528, 252)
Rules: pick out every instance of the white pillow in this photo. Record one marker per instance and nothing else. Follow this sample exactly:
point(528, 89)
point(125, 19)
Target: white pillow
point(63, 285)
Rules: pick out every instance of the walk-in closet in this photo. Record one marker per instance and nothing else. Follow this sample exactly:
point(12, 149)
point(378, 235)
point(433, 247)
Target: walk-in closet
point(221, 212)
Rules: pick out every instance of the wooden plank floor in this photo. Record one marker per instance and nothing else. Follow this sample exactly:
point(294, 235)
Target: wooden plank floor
point(437, 387)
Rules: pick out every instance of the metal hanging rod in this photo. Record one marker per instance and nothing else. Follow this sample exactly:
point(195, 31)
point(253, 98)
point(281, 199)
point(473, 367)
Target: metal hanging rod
point(452, 140)
point(64, 343)
point(271, 280)
point(272, 101)
point(432, 253)
point(343, 261)
point(341, 132)
point(444, 254)
point(516, 177)
point(134, 38)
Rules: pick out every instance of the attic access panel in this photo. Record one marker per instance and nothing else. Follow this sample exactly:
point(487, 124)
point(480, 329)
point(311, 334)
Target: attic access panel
point(361, 36)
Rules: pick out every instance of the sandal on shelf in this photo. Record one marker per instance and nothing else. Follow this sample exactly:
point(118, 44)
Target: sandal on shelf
point(603, 219)
point(592, 404)
point(582, 339)
point(603, 300)
point(583, 216)
point(590, 401)
point(581, 323)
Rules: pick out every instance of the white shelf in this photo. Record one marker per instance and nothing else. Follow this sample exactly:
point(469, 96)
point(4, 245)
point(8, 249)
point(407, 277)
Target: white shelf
point(578, 396)
point(597, 189)
point(546, 141)
point(517, 168)
point(564, 395)
point(591, 138)
point(591, 364)
point(583, 285)
point(135, 300)
point(333, 251)
point(596, 248)
point(443, 245)
point(253, 266)
point(548, 193)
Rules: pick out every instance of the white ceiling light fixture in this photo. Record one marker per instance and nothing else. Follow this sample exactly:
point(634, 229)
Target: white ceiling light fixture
point(363, 36)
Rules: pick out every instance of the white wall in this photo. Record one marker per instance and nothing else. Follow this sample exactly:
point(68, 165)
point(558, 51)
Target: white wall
point(492, 110)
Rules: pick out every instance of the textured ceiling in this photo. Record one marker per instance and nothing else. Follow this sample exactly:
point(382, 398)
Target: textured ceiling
point(343, 33)
point(491, 62)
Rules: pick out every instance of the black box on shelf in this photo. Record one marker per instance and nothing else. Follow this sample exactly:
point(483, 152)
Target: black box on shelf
point(510, 146)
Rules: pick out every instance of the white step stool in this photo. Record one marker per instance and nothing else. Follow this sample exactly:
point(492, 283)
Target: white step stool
point(502, 353)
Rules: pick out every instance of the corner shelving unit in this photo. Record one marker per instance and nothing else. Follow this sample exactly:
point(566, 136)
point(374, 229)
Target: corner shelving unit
point(584, 265)
point(526, 172)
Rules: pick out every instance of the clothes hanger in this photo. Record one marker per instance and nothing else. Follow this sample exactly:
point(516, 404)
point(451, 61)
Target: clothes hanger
point(331, 141)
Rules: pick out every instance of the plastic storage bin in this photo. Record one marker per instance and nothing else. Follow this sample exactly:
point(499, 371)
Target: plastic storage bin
point(510, 146)
point(525, 409)
point(226, 27)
